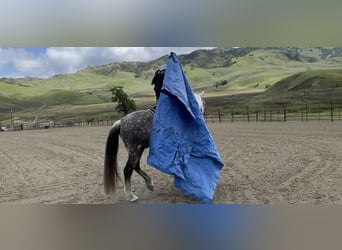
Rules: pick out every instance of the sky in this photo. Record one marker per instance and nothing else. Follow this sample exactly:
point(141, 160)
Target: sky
point(49, 61)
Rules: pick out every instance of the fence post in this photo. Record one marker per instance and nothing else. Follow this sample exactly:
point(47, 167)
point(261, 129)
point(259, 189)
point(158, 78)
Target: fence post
point(256, 115)
point(219, 115)
point(302, 114)
point(278, 115)
point(232, 118)
point(284, 114)
point(247, 114)
point(319, 112)
point(264, 114)
point(271, 115)
point(331, 111)
point(306, 112)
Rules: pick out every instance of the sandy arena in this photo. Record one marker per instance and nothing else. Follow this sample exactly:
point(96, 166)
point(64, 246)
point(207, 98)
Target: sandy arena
point(264, 163)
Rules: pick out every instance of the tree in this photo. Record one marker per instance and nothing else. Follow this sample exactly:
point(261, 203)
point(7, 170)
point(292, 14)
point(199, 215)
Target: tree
point(125, 104)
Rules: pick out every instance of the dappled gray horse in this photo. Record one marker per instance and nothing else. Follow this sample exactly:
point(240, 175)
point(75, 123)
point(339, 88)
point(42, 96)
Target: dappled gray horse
point(134, 130)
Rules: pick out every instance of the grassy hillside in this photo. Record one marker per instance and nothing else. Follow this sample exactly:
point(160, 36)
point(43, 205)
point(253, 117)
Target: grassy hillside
point(309, 80)
point(312, 86)
point(5, 102)
point(262, 75)
point(309, 87)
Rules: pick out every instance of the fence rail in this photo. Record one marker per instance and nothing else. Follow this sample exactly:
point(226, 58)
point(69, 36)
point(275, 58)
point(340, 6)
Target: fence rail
point(327, 112)
point(61, 124)
point(303, 112)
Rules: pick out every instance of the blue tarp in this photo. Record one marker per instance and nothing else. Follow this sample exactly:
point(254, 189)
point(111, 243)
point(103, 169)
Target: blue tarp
point(180, 143)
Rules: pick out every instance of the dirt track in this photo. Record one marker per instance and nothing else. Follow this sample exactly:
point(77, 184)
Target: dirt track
point(276, 163)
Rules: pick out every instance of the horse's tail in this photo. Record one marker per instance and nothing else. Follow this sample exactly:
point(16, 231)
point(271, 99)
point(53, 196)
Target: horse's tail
point(110, 164)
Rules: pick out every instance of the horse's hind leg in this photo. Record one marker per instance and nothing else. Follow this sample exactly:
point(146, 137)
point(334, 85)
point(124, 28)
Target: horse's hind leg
point(128, 173)
point(148, 180)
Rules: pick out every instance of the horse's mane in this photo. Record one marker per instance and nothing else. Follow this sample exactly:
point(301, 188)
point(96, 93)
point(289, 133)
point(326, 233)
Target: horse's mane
point(157, 81)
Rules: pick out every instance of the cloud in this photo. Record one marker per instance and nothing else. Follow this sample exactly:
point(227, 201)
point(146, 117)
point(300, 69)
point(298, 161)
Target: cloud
point(21, 61)
point(59, 60)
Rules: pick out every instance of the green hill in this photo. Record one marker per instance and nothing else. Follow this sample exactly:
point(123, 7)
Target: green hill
point(309, 80)
point(309, 87)
point(229, 76)
point(312, 86)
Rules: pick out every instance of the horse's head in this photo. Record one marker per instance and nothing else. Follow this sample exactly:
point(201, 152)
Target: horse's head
point(200, 100)
point(158, 79)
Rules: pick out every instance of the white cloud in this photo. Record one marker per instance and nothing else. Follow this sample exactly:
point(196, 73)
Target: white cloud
point(20, 60)
point(28, 64)
point(59, 60)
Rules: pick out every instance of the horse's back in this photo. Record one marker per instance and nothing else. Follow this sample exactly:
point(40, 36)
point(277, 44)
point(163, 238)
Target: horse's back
point(136, 127)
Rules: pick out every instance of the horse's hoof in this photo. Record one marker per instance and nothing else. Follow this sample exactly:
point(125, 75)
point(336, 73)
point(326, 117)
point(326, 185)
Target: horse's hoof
point(133, 198)
point(150, 187)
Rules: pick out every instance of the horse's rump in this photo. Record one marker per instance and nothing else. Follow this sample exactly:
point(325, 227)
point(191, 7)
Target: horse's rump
point(136, 128)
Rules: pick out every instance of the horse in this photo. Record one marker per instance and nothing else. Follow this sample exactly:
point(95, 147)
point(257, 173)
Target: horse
point(134, 130)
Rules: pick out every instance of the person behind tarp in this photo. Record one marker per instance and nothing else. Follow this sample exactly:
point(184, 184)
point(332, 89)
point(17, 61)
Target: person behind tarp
point(158, 79)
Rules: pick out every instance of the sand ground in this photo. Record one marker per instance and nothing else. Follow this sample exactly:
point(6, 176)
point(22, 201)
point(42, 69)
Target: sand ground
point(264, 163)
